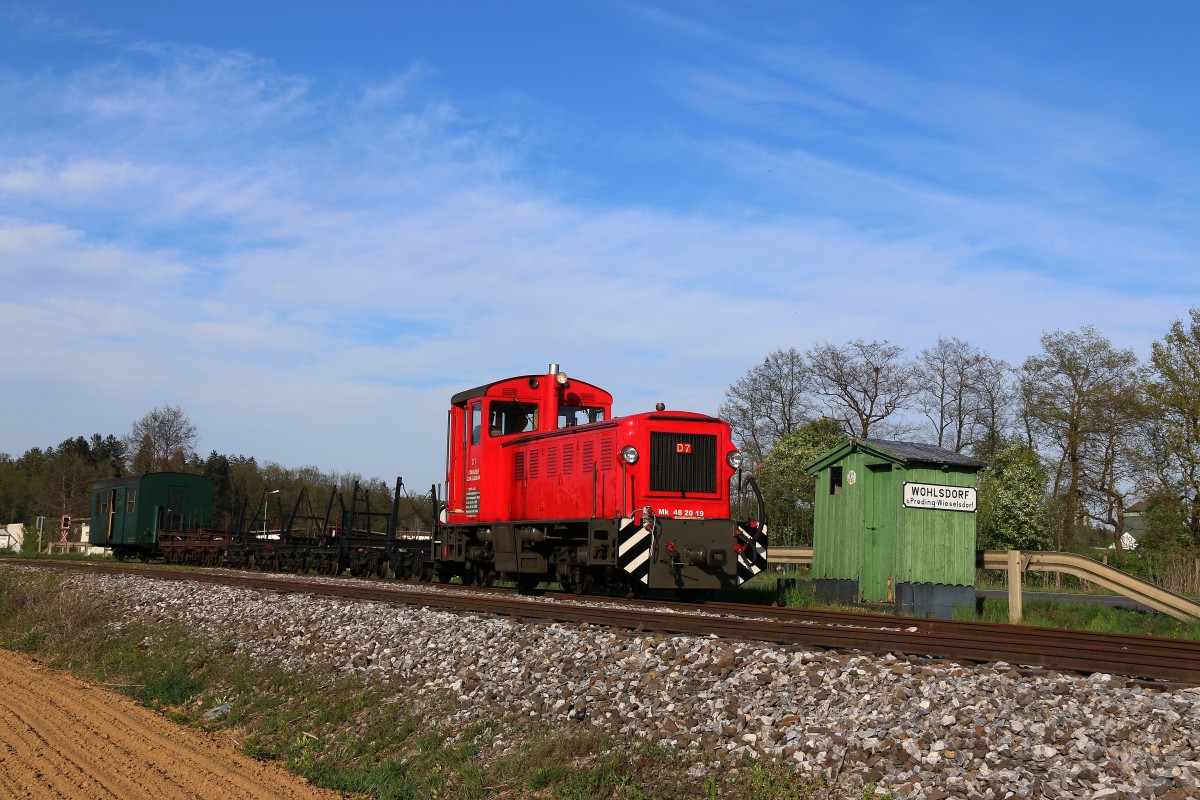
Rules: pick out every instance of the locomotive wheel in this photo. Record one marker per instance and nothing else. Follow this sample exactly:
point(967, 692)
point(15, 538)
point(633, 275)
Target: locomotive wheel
point(581, 580)
point(382, 570)
point(527, 583)
point(468, 576)
point(444, 574)
point(634, 590)
point(250, 561)
point(485, 577)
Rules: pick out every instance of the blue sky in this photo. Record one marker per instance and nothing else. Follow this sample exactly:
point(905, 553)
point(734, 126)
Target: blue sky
point(309, 227)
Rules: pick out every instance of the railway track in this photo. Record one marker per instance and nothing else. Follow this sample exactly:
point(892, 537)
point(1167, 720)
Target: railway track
point(1173, 660)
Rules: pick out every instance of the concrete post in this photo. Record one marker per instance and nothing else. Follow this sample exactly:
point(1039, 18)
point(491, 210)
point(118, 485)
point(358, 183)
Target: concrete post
point(1014, 586)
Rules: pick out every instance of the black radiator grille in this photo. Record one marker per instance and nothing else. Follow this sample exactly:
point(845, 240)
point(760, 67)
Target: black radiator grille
point(683, 462)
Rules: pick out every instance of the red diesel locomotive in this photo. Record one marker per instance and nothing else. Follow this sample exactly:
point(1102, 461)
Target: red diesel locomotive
point(542, 484)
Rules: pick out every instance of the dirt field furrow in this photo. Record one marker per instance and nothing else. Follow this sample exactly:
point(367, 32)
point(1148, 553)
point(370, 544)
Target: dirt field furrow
point(61, 738)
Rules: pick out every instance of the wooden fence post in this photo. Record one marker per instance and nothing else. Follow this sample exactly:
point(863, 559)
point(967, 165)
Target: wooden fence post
point(1014, 586)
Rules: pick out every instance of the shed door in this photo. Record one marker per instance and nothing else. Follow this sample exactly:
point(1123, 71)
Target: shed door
point(878, 535)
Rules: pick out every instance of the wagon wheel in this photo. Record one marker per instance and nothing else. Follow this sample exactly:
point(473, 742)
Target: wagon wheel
point(250, 561)
point(484, 576)
point(383, 569)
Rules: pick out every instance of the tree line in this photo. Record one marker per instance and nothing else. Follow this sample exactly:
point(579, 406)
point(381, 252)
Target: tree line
point(54, 481)
point(1073, 436)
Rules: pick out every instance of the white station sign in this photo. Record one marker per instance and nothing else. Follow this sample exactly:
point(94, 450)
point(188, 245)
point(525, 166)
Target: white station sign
point(943, 498)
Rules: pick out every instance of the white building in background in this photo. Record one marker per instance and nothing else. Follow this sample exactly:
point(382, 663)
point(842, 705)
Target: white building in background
point(12, 536)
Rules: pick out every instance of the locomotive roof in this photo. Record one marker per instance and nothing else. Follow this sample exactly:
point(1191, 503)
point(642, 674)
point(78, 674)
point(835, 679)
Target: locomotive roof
point(480, 391)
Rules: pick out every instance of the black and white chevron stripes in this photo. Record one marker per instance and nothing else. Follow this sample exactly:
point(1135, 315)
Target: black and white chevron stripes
point(633, 550)
point(753, 556)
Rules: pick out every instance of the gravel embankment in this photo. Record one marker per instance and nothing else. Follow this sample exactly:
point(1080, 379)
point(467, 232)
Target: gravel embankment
point(919, 728)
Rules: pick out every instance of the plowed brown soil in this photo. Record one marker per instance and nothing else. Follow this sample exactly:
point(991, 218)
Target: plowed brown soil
point(63, 738)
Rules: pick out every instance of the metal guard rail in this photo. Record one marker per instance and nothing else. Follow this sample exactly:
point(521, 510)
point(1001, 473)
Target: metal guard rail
point(1017, 561)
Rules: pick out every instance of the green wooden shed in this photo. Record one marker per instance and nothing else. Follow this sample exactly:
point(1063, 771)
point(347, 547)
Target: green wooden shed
point(895, 524)
point(128, 513)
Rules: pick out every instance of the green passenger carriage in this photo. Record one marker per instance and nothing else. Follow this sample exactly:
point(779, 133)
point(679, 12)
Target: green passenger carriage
point(127, 514)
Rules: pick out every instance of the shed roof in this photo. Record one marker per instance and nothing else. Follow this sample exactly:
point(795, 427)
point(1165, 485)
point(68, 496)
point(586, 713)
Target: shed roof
point(900, 452)
point(924, 453)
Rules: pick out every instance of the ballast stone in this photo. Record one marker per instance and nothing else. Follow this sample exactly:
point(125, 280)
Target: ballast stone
point(922, 730)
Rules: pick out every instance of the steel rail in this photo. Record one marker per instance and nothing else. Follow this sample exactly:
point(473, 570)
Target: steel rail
point(1139, 656)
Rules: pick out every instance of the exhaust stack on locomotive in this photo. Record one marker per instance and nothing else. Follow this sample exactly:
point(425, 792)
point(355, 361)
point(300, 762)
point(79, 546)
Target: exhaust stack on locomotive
point(543, 484)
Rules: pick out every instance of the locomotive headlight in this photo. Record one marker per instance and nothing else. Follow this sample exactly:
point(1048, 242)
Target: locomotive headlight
point(561, 378)
point(629, 454)
point(734, 459)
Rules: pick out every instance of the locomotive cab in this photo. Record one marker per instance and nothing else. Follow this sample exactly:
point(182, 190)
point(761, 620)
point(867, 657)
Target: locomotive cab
point(485, 421)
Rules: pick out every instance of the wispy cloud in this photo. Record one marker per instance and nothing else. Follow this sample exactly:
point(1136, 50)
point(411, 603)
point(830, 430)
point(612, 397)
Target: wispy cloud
point(311, 269)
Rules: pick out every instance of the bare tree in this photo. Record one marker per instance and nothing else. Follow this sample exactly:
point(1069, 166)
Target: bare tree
point(1113, 451)
point(768, 402)
point(996, 398)
point(863, 383)
point(162, 440)
point(962, 393)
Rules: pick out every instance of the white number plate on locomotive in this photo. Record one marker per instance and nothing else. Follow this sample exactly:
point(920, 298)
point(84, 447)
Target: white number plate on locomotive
point(681, 513)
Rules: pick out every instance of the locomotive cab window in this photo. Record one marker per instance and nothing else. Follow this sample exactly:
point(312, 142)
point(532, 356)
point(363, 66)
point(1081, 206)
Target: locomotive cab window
point(570, 416)
point(476, 421)
point(508, 417)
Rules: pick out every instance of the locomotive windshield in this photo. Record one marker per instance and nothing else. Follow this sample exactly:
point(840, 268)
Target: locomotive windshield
point(570, 416)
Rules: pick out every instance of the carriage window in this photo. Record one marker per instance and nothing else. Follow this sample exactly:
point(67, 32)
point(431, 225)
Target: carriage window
point(506, 418)
point(130, 500)
point(103, 505)
point(570, 416)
